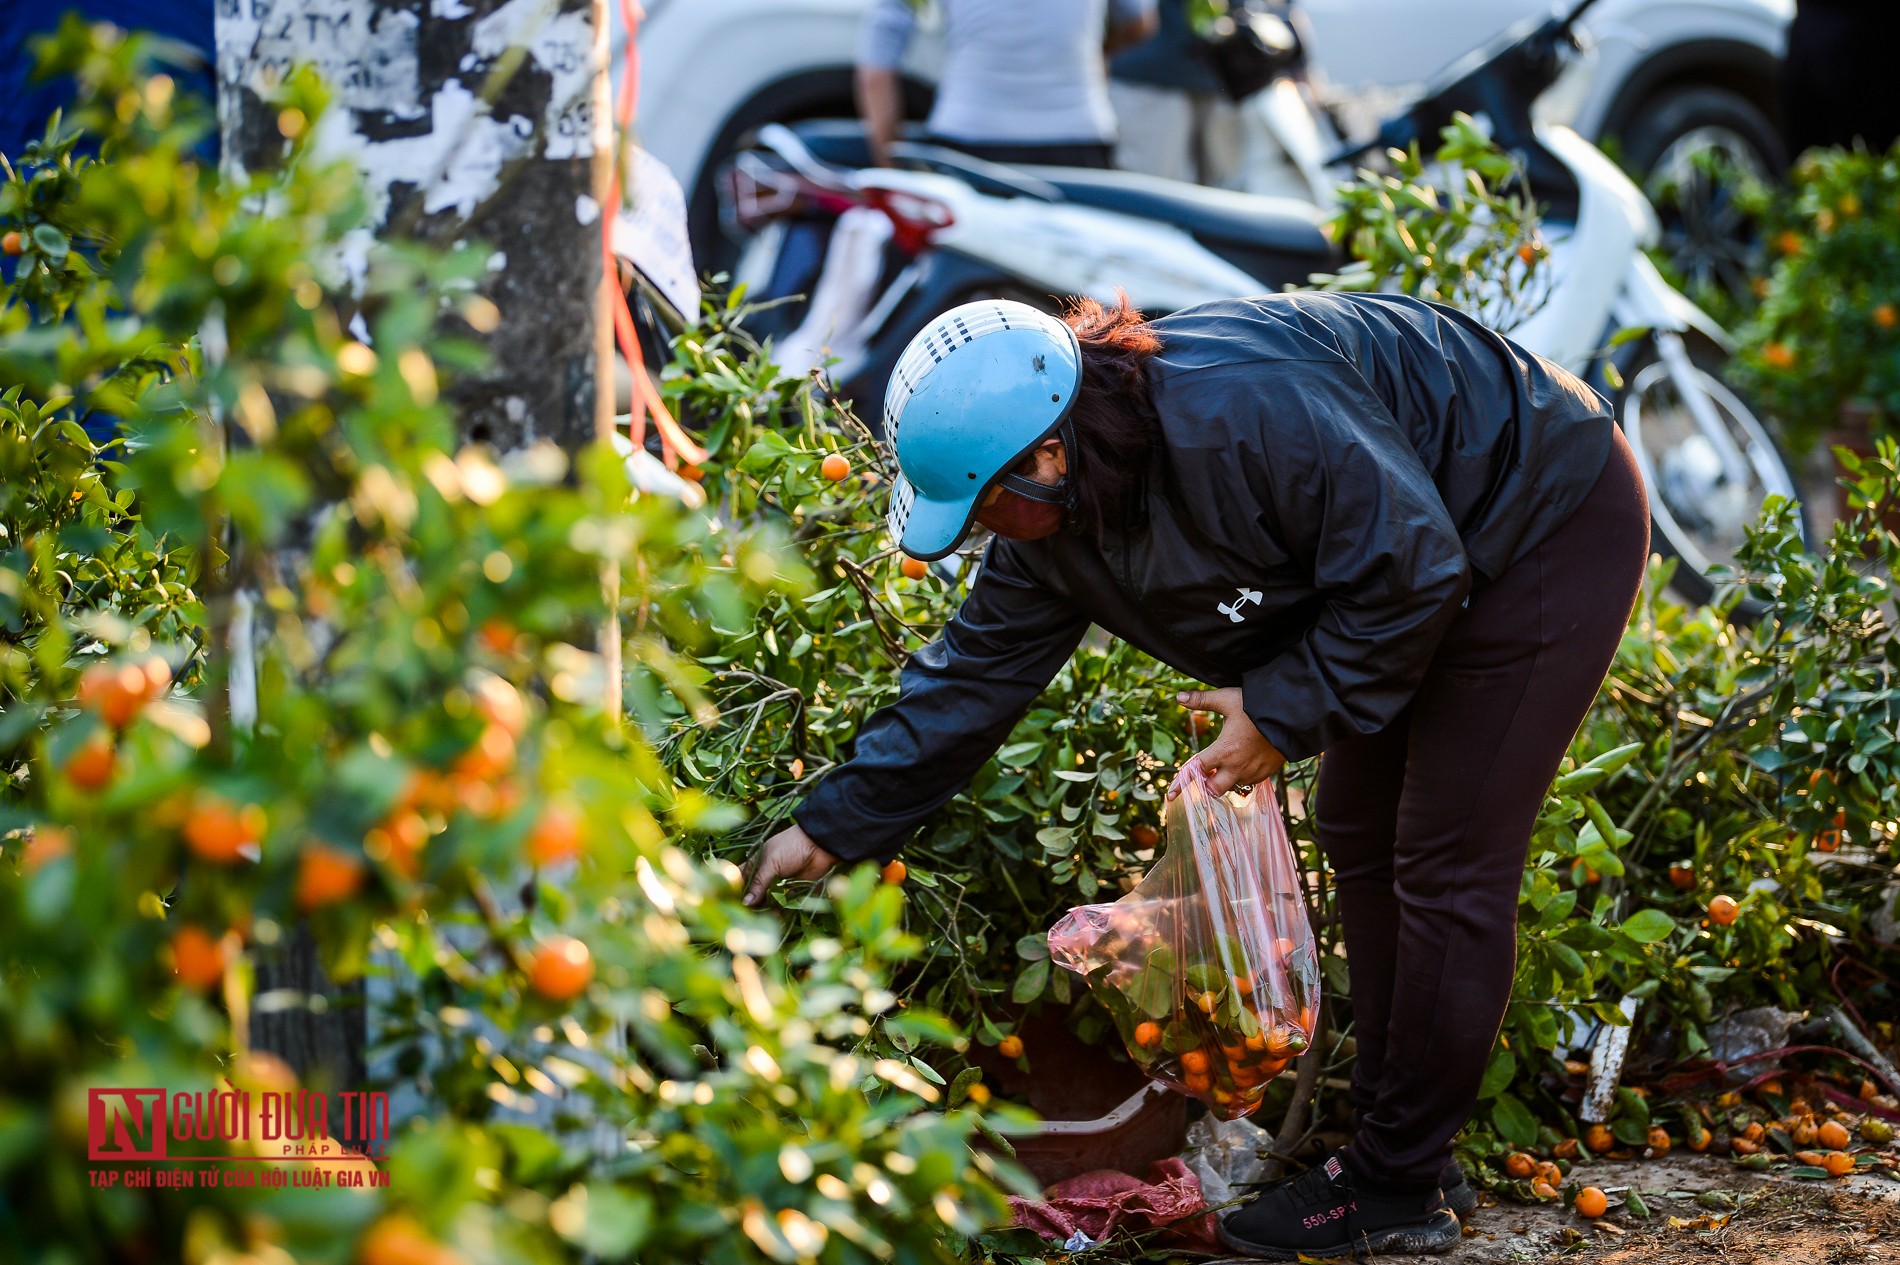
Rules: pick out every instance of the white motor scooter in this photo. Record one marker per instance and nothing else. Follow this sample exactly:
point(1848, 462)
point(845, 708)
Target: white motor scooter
point(962, 229)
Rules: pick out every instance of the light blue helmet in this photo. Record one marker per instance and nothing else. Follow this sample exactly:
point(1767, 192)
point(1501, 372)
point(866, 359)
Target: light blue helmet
point(979, 388)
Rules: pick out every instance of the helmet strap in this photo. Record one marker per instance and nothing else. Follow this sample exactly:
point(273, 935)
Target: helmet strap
point(1062, 492)
point(1030, 490)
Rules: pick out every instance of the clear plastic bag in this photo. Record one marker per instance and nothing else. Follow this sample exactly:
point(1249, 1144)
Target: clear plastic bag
point(1208, 966)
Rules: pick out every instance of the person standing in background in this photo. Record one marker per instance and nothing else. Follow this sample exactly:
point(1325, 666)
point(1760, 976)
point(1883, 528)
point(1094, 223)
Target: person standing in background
point(1022, 82)
point(1175, 117)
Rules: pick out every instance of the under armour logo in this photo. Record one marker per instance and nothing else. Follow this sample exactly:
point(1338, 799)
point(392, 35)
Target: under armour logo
point(1246, 595)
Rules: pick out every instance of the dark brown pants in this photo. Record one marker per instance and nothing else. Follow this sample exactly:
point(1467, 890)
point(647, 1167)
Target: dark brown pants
point(1427, 824)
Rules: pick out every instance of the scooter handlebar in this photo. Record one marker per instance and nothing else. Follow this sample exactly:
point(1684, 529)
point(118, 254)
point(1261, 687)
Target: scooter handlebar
point(1406, 126)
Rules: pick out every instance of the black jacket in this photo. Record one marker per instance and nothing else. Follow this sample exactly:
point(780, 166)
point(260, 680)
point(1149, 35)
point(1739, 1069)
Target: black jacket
point(1339, 471)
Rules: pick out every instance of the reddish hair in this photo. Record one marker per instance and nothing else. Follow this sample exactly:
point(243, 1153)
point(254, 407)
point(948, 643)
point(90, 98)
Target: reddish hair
point(1114, 416)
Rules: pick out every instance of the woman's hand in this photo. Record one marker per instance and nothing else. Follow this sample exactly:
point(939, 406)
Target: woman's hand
point(1241, 755)
point(788, 854)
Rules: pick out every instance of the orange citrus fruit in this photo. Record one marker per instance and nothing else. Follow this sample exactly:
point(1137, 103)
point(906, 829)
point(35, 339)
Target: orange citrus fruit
point(399, 1239)
point(1659, 1141)
point(221, 832)
point(1885, 316)
point(1722, 910)
point(834, 467)
point(557, 835)
point(115, 690)
point(1838, 1163)
point(562, 967)
point(1010, 1047)
point(1592, 1202)
point(197, 959)
point(43, 845)
point(1194, 1060)
point(894, 873)
point(1147, 1034)
point(1832, 1135)
point(1518, 1164)
point(914, 568)
point(90, 767)
point(491, 755)
point(1599, 1138)
point(12, 243)
point(1144, 836)
point(326, 876)
point(498, 636)
point(1777, 355)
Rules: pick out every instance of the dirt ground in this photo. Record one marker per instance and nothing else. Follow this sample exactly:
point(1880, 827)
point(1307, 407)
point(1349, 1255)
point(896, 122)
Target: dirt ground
point(1776, 1221)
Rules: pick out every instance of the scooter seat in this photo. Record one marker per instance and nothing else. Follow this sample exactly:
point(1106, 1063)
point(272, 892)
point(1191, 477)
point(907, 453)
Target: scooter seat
point(841, 143)
point(1216, 217)
point(1275, 240)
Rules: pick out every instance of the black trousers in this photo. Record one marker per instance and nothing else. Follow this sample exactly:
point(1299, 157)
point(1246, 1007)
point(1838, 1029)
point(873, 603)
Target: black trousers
point(1426, 824)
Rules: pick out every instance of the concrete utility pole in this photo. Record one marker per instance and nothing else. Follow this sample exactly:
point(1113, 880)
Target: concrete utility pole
point(471, 120)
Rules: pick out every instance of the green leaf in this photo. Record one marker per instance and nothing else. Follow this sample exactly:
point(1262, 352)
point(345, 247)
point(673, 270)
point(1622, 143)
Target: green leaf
point(1648, 926)
point(1514, 1122)
point(1498, 1073)
point(960, 1087)
point(1019, 754)
point(1632, 1106)
point(1030, 983)
point(994, 1138)
point(1569, 961)
point(51, 242)
point(617, 1220)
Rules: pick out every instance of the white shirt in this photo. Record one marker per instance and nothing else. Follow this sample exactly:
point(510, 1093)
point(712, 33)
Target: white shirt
point(1015, 72)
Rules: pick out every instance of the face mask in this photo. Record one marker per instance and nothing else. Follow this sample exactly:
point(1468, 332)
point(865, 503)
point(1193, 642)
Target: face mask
point(1019, 518)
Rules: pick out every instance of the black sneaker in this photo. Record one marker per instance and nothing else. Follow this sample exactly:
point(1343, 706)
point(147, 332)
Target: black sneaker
point(1460, 1196)
point(1328, 1211)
